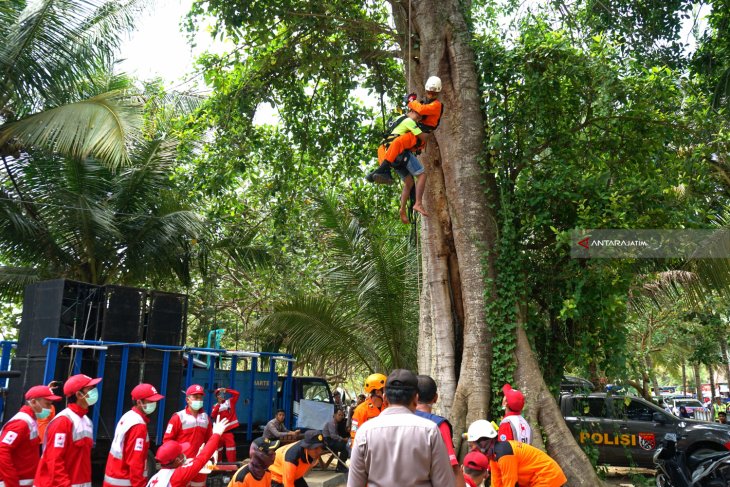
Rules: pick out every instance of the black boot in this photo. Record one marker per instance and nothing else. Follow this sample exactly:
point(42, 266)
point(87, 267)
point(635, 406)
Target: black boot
point(381, 175)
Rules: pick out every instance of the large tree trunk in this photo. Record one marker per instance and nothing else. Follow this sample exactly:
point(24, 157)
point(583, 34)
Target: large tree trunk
point(725, 360)
point(459, 239)
point(461, 226)
point(698, 382)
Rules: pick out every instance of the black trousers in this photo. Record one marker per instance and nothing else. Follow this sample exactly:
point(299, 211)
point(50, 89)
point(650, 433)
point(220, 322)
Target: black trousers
point(297, 483)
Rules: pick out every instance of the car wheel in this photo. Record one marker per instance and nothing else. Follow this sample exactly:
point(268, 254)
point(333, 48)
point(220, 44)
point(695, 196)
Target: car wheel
point(662, 480)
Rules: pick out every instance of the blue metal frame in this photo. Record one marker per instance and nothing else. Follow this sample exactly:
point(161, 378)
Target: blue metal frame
point(6, 348)
point(52, 355)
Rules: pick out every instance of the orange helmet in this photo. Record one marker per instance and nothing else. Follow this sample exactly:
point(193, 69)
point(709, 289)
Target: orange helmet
point(374, 382)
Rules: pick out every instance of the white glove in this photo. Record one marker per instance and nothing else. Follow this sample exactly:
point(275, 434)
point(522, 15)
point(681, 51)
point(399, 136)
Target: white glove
point(220, 425)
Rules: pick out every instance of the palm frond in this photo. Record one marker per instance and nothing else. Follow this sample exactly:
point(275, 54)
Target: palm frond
point(52, 44)
point(316, 328)
point(100, 127)
point(14, 279)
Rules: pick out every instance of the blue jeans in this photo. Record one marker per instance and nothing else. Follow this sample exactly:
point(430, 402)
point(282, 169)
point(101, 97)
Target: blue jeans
point(413, 166)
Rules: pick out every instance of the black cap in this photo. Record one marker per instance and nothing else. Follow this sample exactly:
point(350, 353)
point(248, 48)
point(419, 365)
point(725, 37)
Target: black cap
point(402, 379)
point(265, 445)
point(313, 439)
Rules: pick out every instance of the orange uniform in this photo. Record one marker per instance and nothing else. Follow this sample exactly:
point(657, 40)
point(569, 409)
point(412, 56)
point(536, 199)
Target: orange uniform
point(291, 464)
point(430, 111)
point(244, 478)
point(516, 463)
point(366, 410)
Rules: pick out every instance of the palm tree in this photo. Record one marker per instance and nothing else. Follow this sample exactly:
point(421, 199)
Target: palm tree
point(76, 218)
point(52, 54)
point(367, 311)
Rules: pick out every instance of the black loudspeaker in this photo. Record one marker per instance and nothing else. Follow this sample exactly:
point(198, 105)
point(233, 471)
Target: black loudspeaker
point(138, 371)
point(167, 319)
point(59, 309)
point(31, 374)
point(123, 312)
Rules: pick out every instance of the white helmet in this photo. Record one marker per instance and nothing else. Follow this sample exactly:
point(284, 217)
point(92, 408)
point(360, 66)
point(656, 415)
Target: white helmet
point(480, 428)
point(433, 84)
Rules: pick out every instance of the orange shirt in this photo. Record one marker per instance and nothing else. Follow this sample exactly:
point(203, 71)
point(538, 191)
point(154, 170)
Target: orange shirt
point(517, 463)
point(244, 478)
point(366, 410)
point(291, 464)
point(431, 111)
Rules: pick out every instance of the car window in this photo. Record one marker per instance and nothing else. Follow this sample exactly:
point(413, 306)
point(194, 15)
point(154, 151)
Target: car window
point(590, 407)
point(632, 410)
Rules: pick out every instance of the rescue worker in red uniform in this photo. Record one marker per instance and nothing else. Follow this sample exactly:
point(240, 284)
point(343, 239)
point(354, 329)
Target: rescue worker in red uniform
point(475, 468)
point(179, 471)
point(192, 426)
point(293, 461)
point(513, 425)
point(372, 406)
point(66, 459)
point(19, 439)
point(226, 408)
point(126, 465)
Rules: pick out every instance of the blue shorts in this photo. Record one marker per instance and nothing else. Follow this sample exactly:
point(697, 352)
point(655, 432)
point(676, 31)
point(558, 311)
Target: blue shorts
point(413, 166)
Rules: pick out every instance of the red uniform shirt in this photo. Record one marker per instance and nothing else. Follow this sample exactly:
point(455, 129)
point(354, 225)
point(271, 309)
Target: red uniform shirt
point(184, 427)
point(227, 410)
point(19, 449)
point(182, 476)
point(66, 459)
point(127, 461)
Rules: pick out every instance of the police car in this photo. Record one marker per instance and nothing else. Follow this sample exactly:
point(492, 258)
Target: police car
point(625, 430)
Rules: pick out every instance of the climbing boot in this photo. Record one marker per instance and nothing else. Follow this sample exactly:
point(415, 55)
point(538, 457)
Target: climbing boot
point(381, 175)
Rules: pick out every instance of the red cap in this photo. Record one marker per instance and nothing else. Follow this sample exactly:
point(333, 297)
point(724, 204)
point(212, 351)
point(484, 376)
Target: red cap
point(77, 382)
point(41, 392)
point(476, 460)
point(515, 399)
point(168, 452)
point(194, 389)
point(147, 392)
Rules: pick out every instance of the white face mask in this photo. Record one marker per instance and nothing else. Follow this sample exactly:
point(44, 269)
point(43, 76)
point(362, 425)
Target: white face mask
point(196, 405)
point(149, 407)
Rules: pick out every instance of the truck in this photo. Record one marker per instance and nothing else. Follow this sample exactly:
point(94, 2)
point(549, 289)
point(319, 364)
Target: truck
point(625, 430)
point(264, 380)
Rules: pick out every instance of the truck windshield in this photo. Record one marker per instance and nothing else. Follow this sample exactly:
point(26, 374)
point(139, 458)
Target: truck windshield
point(315, 391)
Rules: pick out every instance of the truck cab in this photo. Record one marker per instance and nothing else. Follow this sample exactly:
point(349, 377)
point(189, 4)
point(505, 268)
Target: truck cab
point(626, 430)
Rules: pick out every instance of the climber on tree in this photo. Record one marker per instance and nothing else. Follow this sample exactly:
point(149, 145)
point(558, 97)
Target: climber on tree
point(400, 143)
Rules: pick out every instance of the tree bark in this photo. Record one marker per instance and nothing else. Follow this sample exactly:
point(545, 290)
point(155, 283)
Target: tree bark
point(458, 230)
point(460, 235)
point(698, 383)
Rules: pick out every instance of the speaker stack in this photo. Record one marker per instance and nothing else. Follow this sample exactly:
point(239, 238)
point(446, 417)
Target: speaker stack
point(63, 308)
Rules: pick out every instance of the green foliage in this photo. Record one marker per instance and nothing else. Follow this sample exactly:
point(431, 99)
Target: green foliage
point(366, 310)
point(54, 94)
point(75, 218)
point(581, 136)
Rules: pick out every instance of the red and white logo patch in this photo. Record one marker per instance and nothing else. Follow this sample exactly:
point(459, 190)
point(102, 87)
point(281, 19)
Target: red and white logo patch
point(502, 437)
point(10, 437)
point(139, 444)
point(59, 441)
point(647, 441)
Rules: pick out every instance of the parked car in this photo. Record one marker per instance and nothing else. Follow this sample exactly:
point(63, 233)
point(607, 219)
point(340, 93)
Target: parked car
point(691, 405)
point(571, 383)
point(626, 430)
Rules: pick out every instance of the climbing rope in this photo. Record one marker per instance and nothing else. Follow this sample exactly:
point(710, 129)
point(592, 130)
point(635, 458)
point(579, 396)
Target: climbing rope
point(408, 67)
